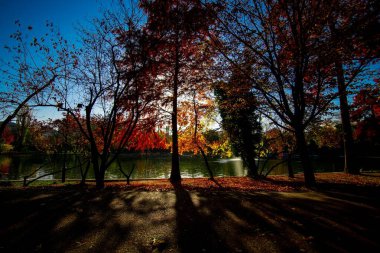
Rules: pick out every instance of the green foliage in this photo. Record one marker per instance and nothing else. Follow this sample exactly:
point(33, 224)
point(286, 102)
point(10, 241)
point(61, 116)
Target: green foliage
point(325, 134)
point(212, 135)
point(219, 143)
point(238, 109)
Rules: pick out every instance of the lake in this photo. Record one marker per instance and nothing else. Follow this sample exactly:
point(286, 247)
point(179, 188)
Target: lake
point(15, 167)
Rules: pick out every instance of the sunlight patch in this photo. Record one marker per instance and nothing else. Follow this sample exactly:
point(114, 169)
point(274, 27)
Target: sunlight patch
point(42, 196)
point(117, 204)
point(66, 221)
point(302, 195)
point(235, 218)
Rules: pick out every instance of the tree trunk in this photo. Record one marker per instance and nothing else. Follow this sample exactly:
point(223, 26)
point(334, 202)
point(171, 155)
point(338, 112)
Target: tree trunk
point(305, 159)
point(84, 173)
point(249, 154)
point(99, 177)
point(252, 168)
point(206, 162)
point(349, 166)
point(100, 182)
point(98, 170)
point(175, 174)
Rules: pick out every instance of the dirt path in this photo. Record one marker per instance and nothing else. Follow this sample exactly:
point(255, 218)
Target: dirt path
point(70, 219)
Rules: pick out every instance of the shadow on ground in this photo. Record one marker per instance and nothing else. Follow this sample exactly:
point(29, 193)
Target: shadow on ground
point(71, 219)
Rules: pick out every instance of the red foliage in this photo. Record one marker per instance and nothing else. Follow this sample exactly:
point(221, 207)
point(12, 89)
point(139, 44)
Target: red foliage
point(147, 140)
point(367, 103)
point(246, 184)
point(220, 184)
point(367, 114)
point(7, 136)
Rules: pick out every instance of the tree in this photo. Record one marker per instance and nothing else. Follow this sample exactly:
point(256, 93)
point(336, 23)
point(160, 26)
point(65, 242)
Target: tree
point(325, 134)
point(350, 48)
point(218, 144)
point(278, 142)
point(35, 65)
point(144, 140)
point(194, 118)
point(113, 84)
point(280, 38)
point(23, 119)
point(7, 136)
point(44, 137)
point(179, 28)
point(70, 139)
point(366, 114)
point(6, 140)
point(238, 109)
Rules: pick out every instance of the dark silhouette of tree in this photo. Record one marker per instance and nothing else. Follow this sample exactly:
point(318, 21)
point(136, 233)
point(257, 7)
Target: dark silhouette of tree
point(240, 118)
point(113, 84)
point(366, 114)
point(179, 28)
point(37, 64)
point(23, 120)
point(281, 38)
point(350, 49)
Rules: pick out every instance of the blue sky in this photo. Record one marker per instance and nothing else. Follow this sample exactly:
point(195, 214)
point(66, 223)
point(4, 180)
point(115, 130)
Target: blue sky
point(65, 14)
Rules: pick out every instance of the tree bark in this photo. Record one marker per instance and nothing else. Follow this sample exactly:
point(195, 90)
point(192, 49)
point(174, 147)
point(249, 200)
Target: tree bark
point(99, 178)
point(349, 166)
point(97, 167)
point(305, 159)
point(206, 162)
point(175, 174)
point(84, 173)
point(252, 168)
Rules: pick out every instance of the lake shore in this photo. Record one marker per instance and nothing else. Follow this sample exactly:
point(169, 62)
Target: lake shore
point(270, 183)
point(232, 215)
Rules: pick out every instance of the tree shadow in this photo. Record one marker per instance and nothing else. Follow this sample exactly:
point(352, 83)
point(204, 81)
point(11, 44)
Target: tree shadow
point(370, 174)
point(74, 219)
point(195, 232)
point(282, 222)
point(242, 221)
point(216, 182)
point(279, 182)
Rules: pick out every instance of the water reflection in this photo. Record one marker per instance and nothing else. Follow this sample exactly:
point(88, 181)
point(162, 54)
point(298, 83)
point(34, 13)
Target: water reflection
point(151, 166)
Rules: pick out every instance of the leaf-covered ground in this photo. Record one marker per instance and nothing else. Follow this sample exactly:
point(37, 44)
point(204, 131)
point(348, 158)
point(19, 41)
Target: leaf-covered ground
point(272, 183)
point(234, 215)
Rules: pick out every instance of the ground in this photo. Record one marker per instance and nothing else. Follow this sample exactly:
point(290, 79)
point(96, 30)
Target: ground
point(231, 215)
